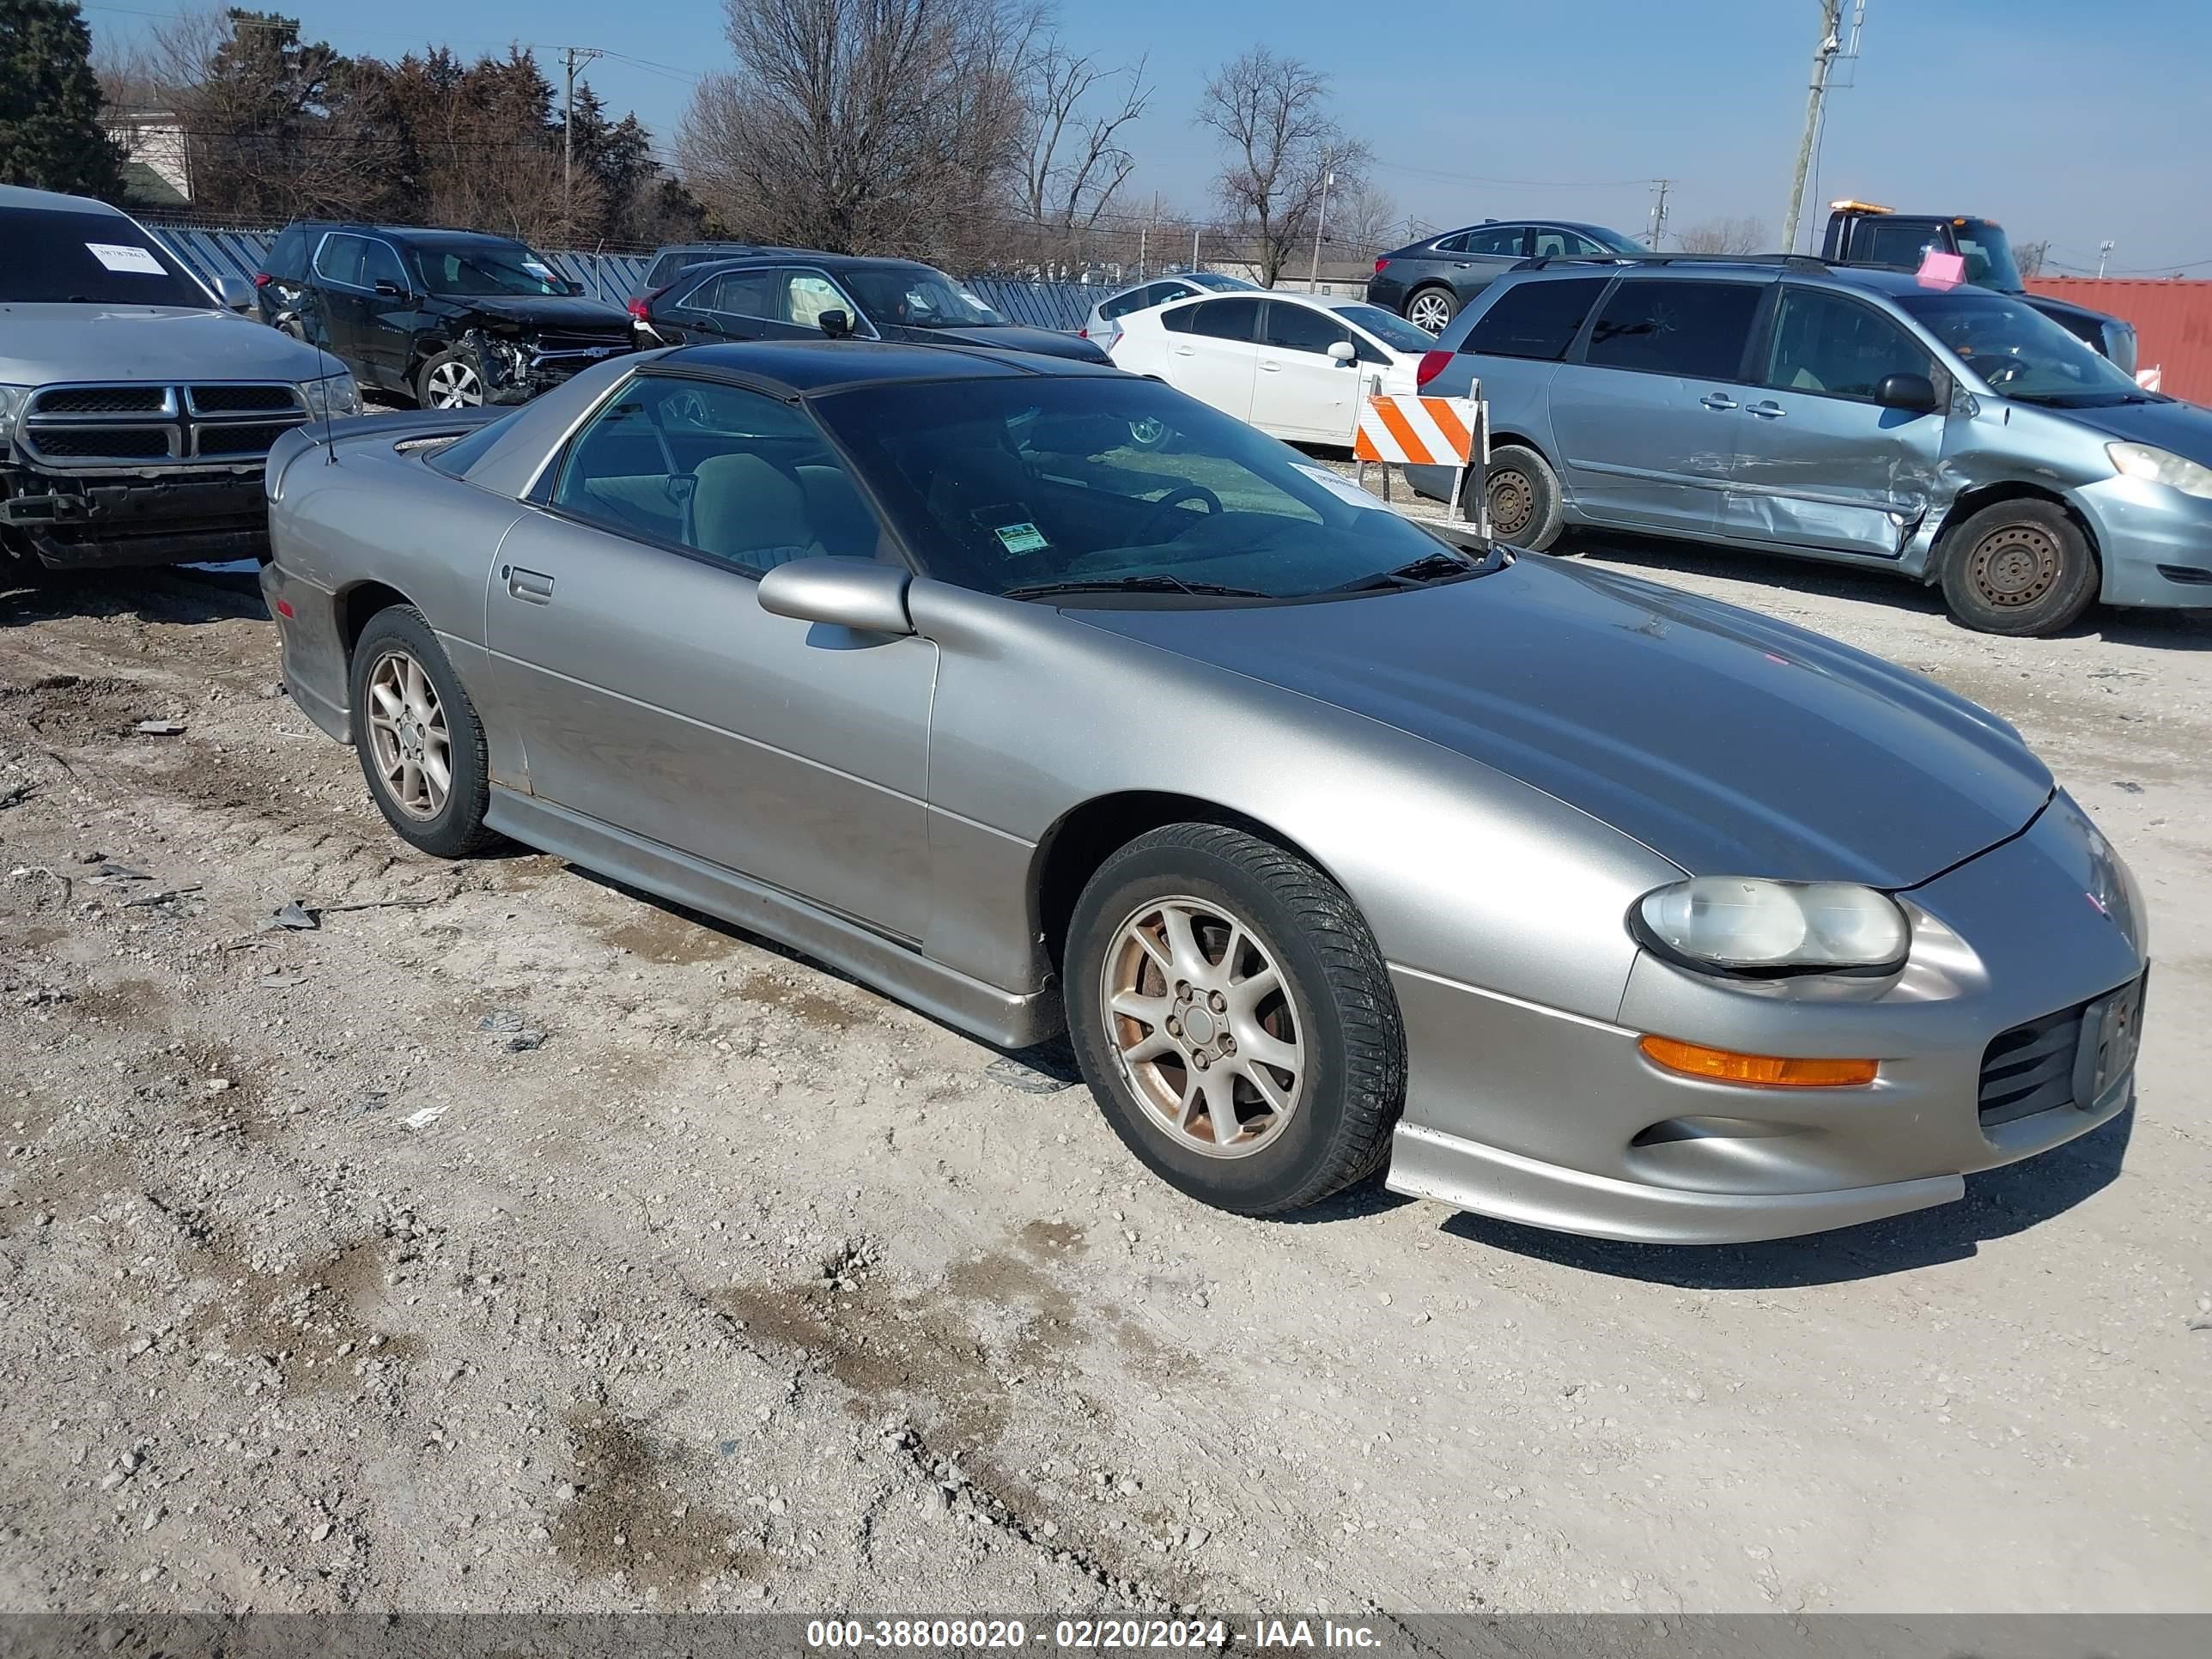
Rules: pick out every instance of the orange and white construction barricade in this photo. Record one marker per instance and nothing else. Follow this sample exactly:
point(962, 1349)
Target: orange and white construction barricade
point(1402, 430)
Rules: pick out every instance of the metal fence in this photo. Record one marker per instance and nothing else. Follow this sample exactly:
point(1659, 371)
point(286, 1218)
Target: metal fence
point(239, 251)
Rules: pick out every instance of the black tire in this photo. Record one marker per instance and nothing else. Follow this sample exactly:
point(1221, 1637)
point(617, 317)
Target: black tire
point(1353, 1081)
point(1526, 509)
point(2021, 567)
point(426, 398)
point(456, 828)
point(1435, 303)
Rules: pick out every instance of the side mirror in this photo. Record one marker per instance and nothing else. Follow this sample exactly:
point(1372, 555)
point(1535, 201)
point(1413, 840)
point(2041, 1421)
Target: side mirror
point(856, 594)
point(1342, 352)
point(837, 325)
point(1916, 392)
point(235, 293)
point(572, 288)
point(389, 290)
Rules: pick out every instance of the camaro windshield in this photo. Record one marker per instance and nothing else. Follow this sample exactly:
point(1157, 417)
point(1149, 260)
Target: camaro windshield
point(2019, 352)
point(470, 270)
point(1020, 484)
point(87, 258)
point(917, 299)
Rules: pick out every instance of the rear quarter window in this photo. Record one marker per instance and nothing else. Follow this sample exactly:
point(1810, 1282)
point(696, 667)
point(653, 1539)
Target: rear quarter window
point(1535, 319)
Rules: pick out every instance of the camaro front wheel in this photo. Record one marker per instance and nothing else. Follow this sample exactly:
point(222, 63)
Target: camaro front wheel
point(1234, 1018)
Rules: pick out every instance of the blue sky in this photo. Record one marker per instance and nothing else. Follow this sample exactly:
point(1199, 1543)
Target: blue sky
point(2061, 120)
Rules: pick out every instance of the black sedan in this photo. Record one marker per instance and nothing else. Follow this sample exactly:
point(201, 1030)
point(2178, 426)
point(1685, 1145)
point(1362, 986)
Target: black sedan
point(783, 296)
point(1428, 282)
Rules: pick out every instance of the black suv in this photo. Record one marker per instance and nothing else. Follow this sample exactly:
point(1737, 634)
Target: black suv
point(1427, 282)
point(448, 317)
point(789, 296)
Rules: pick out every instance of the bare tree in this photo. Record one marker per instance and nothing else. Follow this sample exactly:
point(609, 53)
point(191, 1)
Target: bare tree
point(1724, 236)
point(2031, 257)
point(848, 124)
point(1073, 160)
point(1272, 116)
point(1364, 218)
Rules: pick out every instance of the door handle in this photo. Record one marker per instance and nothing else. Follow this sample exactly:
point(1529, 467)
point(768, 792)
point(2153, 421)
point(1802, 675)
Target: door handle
point(1186, 351)
point(1769, 410)
point(1271, 365)
point(1717, 400)
point(532, 586)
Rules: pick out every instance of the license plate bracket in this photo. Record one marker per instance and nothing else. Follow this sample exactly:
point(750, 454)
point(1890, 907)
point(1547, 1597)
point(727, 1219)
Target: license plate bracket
point(2111, 1038)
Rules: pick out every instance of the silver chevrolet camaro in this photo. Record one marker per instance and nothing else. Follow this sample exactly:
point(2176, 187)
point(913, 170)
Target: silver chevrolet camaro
point(1046, 698)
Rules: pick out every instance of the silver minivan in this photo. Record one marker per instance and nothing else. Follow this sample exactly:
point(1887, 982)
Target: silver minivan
point(1952, 435)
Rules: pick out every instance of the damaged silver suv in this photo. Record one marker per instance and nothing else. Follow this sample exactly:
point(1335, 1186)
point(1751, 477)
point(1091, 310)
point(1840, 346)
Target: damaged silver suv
point(136, 407)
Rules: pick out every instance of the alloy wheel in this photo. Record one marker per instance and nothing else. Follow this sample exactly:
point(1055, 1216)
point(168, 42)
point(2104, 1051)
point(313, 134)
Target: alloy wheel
point(2015, 565)
point(1429, 311)
point(408, 731)
point(1203, 1027)
point(454, 385)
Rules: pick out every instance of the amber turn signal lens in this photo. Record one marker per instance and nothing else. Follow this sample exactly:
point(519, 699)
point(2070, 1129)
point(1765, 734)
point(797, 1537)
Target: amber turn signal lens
point(1765, 1070)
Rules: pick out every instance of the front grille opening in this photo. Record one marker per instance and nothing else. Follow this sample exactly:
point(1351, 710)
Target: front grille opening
point(244, 439)
point(103, 443)
point(242, 399)
point(102, 400)
point(2030, 1068)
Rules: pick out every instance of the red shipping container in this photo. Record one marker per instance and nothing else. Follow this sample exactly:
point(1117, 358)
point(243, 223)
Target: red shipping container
point(2172, 320)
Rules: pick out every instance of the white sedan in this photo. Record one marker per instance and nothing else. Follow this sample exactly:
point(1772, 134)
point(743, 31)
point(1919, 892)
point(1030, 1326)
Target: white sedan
point(1104, 325)
point(1295, 365)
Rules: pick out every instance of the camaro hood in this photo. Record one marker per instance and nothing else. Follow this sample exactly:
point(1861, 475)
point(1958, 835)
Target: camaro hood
point(2166, 423)
point(1726, 743)
point(40, 343)
point(545, 311)
point(1012, 336)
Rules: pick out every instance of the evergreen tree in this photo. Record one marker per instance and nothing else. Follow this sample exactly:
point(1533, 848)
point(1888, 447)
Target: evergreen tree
point(50, 137)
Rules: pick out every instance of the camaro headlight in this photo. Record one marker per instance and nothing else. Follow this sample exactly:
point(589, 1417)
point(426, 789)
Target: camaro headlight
point(2161, 466)
point(333, 398)
point(1741, 925)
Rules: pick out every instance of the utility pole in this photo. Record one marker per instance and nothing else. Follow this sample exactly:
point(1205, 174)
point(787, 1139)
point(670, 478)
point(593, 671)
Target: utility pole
point(1659, 213)
point(1824, 57)
point(1321, 223)
point(2104, 252)
point(574, 56)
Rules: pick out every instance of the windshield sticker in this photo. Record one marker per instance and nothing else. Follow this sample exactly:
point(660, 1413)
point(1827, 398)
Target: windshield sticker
point(116, 255)
point(1021, 538)
point(1342, 488)
point(538, 270)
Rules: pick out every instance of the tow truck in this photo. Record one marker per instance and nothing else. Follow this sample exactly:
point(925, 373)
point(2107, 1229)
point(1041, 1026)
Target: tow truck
point(1869, 234)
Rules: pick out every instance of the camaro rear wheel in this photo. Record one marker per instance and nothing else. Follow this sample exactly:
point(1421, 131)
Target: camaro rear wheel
point(1234, 1018)
point(1525, 510)
point(1430, 308)
point(449, 380)
point(421, 747)
point(2019, 568)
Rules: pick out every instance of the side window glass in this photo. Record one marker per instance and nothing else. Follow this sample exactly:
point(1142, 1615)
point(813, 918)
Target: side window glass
point(1894, 244)
point(1826, 343)
point(1295, 328)
point(1453, 244)
point(738, 294)
point(733, 474)
point(1553, 244)
point(1182, 320)
point(1535, 317)
point(1500, 240)
point(1226, 320)
point(380, 265)
point(338, 260)
point(1695, 329)
point(807, 294)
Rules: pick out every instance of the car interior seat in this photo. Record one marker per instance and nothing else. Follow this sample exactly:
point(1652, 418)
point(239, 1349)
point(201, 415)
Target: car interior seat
point(746, 511)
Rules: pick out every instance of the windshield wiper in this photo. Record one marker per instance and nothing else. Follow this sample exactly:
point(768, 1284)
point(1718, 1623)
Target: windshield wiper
point(1158, 583)
point(1428, 568)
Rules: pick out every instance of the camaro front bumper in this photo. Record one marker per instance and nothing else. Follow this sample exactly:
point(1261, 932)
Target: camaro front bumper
point(1535, 1115)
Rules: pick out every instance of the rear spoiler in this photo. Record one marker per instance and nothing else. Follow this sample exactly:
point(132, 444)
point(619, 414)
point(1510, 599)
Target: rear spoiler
point(428, 425)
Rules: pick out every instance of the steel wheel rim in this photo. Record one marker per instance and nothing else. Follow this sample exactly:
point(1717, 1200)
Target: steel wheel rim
point(1512, 502)
point(455, 385)
point(408, 732)
point(1201, 1022)
point(1427, 312)
point(2015, 565)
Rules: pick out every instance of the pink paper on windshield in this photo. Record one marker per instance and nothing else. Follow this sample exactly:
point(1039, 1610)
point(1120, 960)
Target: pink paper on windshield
point(1940, 270)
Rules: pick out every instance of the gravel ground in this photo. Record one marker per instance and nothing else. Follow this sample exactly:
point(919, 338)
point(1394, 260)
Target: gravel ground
point(514, 1241)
